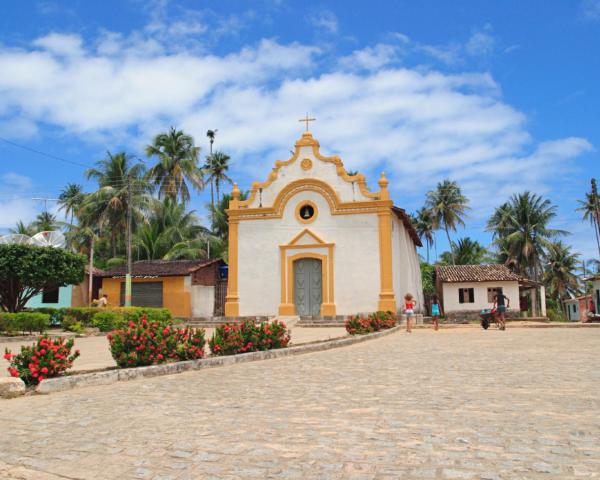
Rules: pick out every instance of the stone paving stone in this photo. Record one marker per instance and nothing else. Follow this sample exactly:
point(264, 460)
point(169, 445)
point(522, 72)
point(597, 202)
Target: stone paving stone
point(456, 404)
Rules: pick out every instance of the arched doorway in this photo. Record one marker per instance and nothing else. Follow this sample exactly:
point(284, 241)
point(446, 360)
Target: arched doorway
point(308, 286)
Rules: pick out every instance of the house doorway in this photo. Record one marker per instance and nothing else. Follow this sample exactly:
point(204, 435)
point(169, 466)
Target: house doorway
point(308, 286)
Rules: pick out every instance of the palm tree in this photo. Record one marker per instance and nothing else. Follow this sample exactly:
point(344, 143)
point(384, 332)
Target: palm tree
point(117, 176)
point(169, 232)
point(520, 228)
point(177, 164)
point(590, 207)
point(559, 275)
point(215, 169)
point(45, 221)
point(448, 206)
point(466, 252)
point(22, 229)
point(70, 199)
point(423, 222)
point(219, 214)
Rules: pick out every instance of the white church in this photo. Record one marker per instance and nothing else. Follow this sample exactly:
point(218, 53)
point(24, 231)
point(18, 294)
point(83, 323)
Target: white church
point(315, 241)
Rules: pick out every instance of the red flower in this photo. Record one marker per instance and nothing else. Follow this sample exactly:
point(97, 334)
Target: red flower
point(44, 370)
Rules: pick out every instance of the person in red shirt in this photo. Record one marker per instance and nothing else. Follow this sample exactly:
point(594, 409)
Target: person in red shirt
point(409, 310)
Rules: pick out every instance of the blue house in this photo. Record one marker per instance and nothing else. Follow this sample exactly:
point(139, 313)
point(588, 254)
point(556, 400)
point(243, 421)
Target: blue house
point(53, 298)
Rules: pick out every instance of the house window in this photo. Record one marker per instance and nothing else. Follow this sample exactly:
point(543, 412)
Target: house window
point(50, 295)
point(491, 294)
point(466, 295)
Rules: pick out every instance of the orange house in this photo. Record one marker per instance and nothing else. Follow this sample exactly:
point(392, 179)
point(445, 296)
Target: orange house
point(188, 288)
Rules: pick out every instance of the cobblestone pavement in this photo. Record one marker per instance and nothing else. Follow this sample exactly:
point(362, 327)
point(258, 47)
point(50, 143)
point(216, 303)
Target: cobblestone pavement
point(456, 404)
point(95, 353)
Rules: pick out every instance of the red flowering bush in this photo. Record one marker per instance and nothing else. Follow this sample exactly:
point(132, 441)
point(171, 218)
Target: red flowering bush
point(248, 336)
point(45, 359)
point(145, 343)
point(359, 325)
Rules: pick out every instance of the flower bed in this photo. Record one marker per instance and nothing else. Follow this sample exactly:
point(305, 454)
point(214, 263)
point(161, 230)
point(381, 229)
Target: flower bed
point(360, 325)
point(149, 343)
point(248, 336)
point(44, 359)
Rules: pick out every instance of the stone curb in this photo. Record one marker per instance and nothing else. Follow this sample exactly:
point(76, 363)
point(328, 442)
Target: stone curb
point(121, 375)
point(508, 326)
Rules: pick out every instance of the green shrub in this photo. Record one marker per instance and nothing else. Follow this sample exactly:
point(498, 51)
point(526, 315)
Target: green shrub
point(71, 324)
point(24, 322)
point(161, 316)
point(108, 320)
point(556, 315)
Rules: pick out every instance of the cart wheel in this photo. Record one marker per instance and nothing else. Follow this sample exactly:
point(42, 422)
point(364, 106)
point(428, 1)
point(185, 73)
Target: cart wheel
point(485, 324)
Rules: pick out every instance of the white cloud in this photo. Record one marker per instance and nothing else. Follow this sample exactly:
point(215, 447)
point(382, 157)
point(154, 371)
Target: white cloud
point(419, 125)
point(15, 200)
point(324, 20)
point(370, 58)
point(481, 43)
point(591, 9)
point(61, 44)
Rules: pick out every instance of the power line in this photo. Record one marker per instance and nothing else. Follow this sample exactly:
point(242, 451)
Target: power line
point(39, 152)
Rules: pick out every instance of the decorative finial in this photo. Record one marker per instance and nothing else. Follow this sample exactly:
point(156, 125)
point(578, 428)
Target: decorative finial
point(306, 120)
point(383, 184)
point(235, 193)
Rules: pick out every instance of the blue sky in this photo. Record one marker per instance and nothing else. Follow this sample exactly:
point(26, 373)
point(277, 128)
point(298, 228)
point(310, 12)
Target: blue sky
point(500, 96)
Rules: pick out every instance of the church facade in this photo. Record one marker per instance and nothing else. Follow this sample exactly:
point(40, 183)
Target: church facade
point(315, 241)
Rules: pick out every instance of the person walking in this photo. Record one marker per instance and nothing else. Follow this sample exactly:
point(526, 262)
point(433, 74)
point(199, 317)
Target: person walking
point(501, 303)
point(436, 311)
point(409, 310)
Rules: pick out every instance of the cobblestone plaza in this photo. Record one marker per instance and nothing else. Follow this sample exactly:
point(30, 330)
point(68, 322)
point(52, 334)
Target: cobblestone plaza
point(454, 404)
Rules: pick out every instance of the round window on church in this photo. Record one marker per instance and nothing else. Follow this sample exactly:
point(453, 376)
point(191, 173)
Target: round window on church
point(306, 212)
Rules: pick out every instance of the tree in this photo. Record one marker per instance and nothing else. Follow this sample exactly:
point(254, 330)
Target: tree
point(219, 215)
point(177, 164)
point(44, 222)
point(590, 208)
point(22, 229)
point(215, 169)
point(465, 252)
point(26, 270)
point(116, 174)
point(560, 272)
point(70, 199)
point(169, 233)
point(520, 229)
point(423, 223)
point(448, 207)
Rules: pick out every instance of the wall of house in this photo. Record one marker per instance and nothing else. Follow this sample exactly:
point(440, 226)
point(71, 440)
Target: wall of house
point(176, 293)
point(355, 252)
point(64, 299)
point(573, 311)
point(596, 294)
point(203, 300)
point(451, 302)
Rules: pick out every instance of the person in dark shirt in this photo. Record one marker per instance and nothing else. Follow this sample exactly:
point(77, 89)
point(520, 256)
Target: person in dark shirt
point(501, 303)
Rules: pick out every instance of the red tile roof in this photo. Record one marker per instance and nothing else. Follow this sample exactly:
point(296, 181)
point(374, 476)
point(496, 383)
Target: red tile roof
point(475, 273)
point(160, 268)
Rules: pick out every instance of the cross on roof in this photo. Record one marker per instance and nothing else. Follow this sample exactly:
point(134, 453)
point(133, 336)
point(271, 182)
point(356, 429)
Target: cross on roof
point(306, 119)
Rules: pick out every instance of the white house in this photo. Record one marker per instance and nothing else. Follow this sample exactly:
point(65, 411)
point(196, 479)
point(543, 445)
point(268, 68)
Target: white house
point(313, 240)
point(465, 290)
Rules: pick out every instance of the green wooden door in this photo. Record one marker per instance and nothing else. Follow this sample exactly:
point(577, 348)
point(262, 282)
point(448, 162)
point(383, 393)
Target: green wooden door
point(308, 286)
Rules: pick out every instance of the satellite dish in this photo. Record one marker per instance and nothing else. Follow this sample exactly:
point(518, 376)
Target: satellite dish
point(49, 239)
point(17, 238)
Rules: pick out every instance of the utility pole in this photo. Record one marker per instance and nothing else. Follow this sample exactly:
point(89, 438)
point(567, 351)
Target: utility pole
point(129, 262)
point(45, 200)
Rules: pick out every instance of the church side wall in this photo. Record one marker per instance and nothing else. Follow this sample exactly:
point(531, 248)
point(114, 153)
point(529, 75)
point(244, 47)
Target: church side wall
point(407, 273)
point(356, 257)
